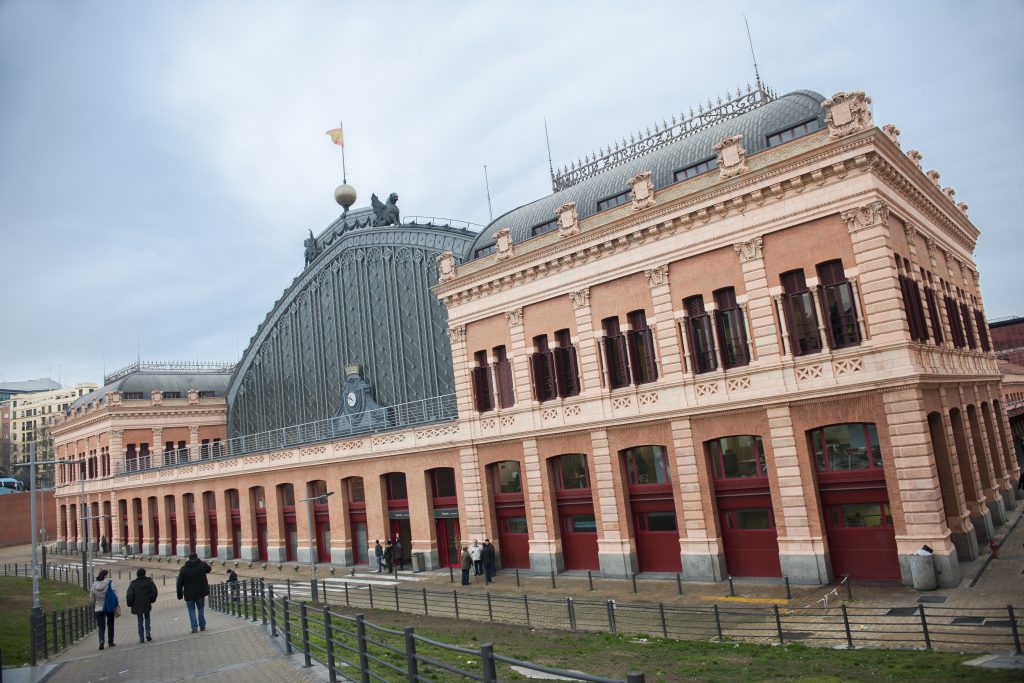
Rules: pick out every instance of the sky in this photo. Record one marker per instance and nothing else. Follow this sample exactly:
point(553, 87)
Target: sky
point(162, 162)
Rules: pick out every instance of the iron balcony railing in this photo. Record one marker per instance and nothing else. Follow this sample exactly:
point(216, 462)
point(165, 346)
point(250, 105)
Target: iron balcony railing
point(391, 418)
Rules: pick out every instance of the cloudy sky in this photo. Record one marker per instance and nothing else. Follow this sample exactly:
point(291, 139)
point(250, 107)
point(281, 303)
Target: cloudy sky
point(161, 162)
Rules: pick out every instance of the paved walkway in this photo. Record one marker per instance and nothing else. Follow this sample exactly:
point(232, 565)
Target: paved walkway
point(230, 650)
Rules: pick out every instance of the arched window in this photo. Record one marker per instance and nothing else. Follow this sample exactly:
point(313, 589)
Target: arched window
point(356, 492)
point(571, 471)
point(737, 456)
point(507, 477)
point(646, 465)
point(845, 447)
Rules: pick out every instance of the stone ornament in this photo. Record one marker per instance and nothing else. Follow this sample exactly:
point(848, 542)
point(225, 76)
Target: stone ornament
point(193, 431)
point(749, 250)
point(963, 206)
point(580, 298)
point(445, 266)
point(930, 243)
point(656, 277)
point(866, 216)
point(157, 397)
point(892, 132)
point(457, 335)
point(113, 399)
point(642, 190)
point(503, 243)
point(568, 220)
point(193, 397)
point(950, 194)
point(732, 158)
point(910, 231)
point(514, 317)
point(848, 114)
point(933, 176)
point(915, 156)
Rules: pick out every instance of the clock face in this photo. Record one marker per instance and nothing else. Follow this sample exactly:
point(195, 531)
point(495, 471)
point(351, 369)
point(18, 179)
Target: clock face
point(350, 399)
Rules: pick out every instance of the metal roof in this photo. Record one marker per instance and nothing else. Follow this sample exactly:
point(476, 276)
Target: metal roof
point(755, 126)
point(146, 382)
point(31, 385)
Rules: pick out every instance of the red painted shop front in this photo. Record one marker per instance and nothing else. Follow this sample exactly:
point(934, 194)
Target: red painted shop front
point(510, 509)
point(576, 519)
point(357, 520)
point(653, 509)
point(445, 503)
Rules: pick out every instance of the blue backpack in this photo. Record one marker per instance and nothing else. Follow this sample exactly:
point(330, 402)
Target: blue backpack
point(110, 599)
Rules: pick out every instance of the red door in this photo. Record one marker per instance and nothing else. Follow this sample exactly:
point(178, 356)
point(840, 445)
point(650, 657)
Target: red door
point(173, 521)
point(213, 534)
point(862, 540)
point(261, 534)
point(323, 536)
point(657, 541)
point(579, 536)
point(448, 550)
point(191, 532)
point(513, 538)
point(360, 542)
point(751, 542)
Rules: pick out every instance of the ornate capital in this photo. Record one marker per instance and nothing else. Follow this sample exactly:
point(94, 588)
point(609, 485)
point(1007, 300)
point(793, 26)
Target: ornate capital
point(568, 220)
point(503, 243)
point(117, 434)
point(113, 399)
point(514, 317)
point(933, 176)
point(158, 434)
point(445, 266)
point(910, 231)
point(193, 431)
point(657, 276)
point(193, 397)
point(848, 113)
point(892, 132)
point(948, 255)
point(457, 334)
point(732, 158)
point(915, 156)
point(580, 298)
point(865, 216)
point(930, 243)
point(950, 194)
point(749, 250)
point(963, 206)
point(642, 190)
point(157, 397)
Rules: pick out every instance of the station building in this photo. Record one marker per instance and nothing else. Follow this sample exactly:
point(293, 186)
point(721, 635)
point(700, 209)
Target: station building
point(748, 343)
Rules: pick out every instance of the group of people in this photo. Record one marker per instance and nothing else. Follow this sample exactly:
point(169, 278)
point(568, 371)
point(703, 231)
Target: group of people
point(481, 559)
point(193, 587)
point(389, 555)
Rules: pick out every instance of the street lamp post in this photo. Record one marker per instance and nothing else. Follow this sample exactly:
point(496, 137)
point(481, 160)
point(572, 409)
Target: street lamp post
point(32, 464)
point(309, 527)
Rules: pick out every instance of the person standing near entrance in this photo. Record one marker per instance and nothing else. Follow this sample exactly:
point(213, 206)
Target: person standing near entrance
point(474, 552)
point(378, 552)
point(104, 603)
point(398, 552)
point(467, 563)
point(140, 598)
point(389, 553)
point(193, 587)
point(489, 558)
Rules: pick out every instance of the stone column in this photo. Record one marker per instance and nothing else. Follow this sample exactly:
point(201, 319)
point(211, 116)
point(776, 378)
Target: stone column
point(762, 333)
point(249, 547)
point(463, 378)
point(664, 324)
point(967, 467)
point(916, 487)
point(803, 551)
point(1006, 440)
point(702, 552)
point(156, 449)
point(203, 549)
point(616, 551)
point(587, 348)
point(193, 442)
point(276, 552)
point(116, 444)
point(118, 542)
point(183, 548)
point(341, 536)
point(472, 496)
point(168, 529)
point(519, 356)
point(986, 469)
point(150, 533)
point(302, 521)
point(1005, 484)
point(876, 265)
point(545, 551)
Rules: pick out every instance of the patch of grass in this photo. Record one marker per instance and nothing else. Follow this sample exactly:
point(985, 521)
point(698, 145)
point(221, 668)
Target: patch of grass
point(16, 604)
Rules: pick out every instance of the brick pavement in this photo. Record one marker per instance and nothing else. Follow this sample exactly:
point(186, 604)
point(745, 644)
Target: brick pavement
point(230, 650)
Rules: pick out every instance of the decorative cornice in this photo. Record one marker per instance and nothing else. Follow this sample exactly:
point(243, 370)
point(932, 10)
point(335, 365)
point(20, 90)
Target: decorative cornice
point(658, 276)
point(749, 250)
point(514, 317)
point(892, 132)
point(580, 298)
point(915, 156)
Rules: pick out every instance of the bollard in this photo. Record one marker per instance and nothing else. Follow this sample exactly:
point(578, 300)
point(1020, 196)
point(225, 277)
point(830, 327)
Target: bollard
point(552, 578)
point(289, 582)
point(323, 589)
point(732, 589)
point(455, 601)
point(273, 611)
point(487, 661)
point(789, 593)
point(846, 625)
point(165, 579)
point(364, 664)
point(526, 608)
point(778, 624)
point(718, 624)
point(304, 621)
point(633, 576)
point(679, 583)
point(517, 578)
point(1013, 629)
point(451, 575)
point(590, 580)
point(611, 616)
point(664, 624)
point(313, 589)
point(426, 609)
point(411, 665)
point(849, 589)
point(371, 595)
point(570, 608)
point(924, 628)
point(397, 606)
point(329, 645)
point(348, 603)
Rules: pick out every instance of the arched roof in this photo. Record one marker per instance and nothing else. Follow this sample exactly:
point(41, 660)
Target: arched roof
point(755, 127)
point(145, 378)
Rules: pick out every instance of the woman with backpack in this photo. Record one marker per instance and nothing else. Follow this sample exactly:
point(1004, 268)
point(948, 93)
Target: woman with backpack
point(105, 604)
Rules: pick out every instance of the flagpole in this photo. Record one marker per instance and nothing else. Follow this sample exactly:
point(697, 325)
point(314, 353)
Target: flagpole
point(344, 173)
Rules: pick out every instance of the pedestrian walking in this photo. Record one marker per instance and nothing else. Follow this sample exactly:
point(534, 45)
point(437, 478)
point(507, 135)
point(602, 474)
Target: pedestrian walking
point(389, 553)
point(489, 558)
point(378, 552)
point(474, 552)
point(193, 587)
point(140, 596)
point(104, 545)
point(233, 583)
point(399, 560)
point(104, 603)
point(467, 564)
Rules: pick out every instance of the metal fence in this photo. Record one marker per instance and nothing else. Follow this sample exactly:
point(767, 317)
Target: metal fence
point(51, 632)
point(838, 625)
point(353, 648)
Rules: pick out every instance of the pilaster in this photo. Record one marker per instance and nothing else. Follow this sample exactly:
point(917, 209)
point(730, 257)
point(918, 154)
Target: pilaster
point(665, 324)
point(701, 549)
point(587, 346)
point(763, 333)
point(872, 248)
point(472, 496)
point(545, 552)
point(615, 551)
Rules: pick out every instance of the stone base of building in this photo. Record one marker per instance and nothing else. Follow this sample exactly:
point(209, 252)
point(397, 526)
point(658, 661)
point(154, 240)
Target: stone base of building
point(249, 552)
point(166, 550)
point(618, 565)
point(183, 550)
point(546, 562)
point(342, 557)
point(998, 512)
point(276, 554)
point(966, 544)
point(149, 548)
point(703, 567)
point(203, 551)
point(807, 569)
point(1009, 501)
point(983, 527)
point(947, 569)
point(225, 552)
point(303, 555)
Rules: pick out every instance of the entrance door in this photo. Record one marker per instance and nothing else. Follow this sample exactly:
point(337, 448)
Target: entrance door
point(751, 541)
point(360, 543)
point(323, 538)
point(657, 541)
point(261, 535)
point(449, 553)
point(579, 540)
point(173, 521)
point(862, 541)
point(514, 539)
point(191, 532)
point(401, 530)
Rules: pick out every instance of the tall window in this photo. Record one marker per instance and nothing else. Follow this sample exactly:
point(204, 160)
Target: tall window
point(543, 365)
point(646, 465)
point(955, 327)
point(845, 447)
point(395, 486)
point(933, 311)
point(798, 304)
point(442, 482)
point(702, 342)
point(356, 493)
point(567, 371)
point(979, 320)
point(483, 389)
point(571, 471)
point(615, 354)
point(641, 349)
point(968, 327)
point(837, 302)
point(507, 477)
point(732, 330)
point(503, 375)
point(737, 456)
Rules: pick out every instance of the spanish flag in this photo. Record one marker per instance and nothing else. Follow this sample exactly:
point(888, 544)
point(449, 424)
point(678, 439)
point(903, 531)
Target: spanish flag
point(337, 136)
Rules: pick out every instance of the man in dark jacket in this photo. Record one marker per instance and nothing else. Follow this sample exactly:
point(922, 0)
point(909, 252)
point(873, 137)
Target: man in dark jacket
point(140, 598)
point(193, 587)
point(489, 558)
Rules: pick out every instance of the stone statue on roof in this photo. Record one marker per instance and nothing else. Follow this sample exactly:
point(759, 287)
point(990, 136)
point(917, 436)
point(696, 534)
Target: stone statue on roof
point(312, 250)
point(386, 213)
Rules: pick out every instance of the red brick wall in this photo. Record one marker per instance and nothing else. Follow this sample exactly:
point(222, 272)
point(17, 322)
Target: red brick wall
point(14, 511)
point(1008, 341)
